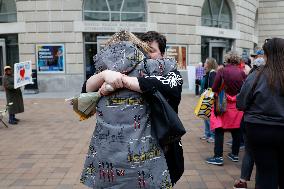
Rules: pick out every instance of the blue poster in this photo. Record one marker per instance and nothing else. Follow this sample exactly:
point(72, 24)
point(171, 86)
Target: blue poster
point(50, 58)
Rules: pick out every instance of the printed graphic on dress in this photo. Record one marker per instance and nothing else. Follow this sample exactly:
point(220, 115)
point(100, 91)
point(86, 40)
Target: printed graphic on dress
point(146, 151)
point(124, 101)
point(166, 184)
point(113, 136)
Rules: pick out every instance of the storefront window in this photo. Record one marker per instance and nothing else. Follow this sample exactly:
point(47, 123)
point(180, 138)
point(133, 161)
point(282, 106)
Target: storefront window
point(115, 10)
point(217, 13)
point(8, 11)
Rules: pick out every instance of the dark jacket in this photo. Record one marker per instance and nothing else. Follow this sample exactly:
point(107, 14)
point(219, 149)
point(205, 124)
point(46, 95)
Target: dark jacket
point(209, 79)
point(259, 103)
point(13, 95)
point(174, 153)
point(233, 77)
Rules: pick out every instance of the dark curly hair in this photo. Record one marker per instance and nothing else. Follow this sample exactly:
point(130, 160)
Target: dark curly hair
point(151, 36)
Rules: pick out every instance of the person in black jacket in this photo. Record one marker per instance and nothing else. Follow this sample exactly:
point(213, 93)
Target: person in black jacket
point(262, 100)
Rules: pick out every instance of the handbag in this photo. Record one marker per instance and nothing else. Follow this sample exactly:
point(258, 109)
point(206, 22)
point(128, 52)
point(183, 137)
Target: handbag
point(166, 125)
point(204, 105)
point(220, 103)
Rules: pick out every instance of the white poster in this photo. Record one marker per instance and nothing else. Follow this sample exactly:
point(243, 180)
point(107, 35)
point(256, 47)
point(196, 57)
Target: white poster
point(22, 74)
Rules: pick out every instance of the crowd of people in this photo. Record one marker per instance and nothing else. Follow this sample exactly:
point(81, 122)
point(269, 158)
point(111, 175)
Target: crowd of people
point(124, 153)
point(254, 112)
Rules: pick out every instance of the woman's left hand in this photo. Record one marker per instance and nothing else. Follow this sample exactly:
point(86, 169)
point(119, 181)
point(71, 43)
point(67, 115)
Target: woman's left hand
point(131, 83)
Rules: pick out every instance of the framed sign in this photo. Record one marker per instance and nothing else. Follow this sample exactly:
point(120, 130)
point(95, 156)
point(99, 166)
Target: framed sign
point(22, 74)
point(179, 53)
point(50, 58)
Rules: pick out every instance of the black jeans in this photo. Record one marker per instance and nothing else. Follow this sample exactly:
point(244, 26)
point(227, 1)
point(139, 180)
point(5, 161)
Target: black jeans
point(248, 161)
point(219, 141)
point(266, 143)
point(197, 84)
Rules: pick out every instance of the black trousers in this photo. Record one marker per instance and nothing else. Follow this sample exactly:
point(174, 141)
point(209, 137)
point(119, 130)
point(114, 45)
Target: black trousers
point(197, 84)
point(219, 141)
point(266, 143)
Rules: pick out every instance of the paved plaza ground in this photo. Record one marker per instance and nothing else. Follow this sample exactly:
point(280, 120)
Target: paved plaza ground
point(47, 149)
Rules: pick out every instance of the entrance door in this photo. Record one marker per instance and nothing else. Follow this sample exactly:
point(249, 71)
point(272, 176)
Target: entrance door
point(217, 50)
point(2, 61)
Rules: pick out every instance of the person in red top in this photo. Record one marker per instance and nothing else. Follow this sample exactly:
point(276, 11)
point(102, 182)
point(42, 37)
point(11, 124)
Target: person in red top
point(233, 78)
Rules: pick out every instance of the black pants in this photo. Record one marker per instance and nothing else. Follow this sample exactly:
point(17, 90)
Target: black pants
point(197, 84)
point(266, 143)
point(219, 141)
point(248, 161)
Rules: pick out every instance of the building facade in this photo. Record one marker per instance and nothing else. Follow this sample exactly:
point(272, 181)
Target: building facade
point(61, 37)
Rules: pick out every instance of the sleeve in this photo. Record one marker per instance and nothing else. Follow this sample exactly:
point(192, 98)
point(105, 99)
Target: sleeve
point(83, 90)
point(217, 82)
point(9, 83)
point(212, 76)
point(245, 97)
point(170, 85)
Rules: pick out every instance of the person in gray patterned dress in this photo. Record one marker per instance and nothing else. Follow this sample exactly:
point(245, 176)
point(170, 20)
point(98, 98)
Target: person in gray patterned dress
point(122, 151)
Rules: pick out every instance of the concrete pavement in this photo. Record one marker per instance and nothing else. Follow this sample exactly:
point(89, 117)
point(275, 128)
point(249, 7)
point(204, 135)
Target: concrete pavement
point(46, 150)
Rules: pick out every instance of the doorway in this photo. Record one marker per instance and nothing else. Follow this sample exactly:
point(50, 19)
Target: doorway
point(215, 48)
point(2, 61)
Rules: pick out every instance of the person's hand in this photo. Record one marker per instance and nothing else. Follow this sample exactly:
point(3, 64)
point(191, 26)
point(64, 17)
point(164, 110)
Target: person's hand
point(113, 78)
point(131, 83)
point(106, 89)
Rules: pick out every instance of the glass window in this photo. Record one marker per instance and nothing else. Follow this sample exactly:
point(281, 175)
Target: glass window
point(12, 49)
point(8, 11)
point(133, 6)
point(115, 5)
point(217, 13)
point(115, 10)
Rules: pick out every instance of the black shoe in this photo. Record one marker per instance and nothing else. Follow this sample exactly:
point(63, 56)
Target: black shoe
point(17, 120)
point(13, 122)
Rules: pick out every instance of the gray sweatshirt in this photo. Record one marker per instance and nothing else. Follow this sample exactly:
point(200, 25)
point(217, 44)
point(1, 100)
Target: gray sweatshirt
point(261, 105)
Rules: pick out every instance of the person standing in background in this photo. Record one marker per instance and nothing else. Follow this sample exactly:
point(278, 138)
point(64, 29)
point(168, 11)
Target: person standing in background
point(262, 100)
point(12, 96)
point(232, 78)
point(210, 67)
point(199, 73)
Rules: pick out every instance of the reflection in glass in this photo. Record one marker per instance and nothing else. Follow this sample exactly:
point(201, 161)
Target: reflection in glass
point(115, 16)
point(90, 50)
point(133, 17)
point(12, 49)
point(96, 5)
point(115, 5)
point(133, 6)
point(8, 11)
point(115, 10)
point(217, 13)
point(96, 16)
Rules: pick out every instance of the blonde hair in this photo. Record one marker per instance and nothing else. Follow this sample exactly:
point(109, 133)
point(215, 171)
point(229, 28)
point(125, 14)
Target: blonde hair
point(128, 36)
point(211, 64)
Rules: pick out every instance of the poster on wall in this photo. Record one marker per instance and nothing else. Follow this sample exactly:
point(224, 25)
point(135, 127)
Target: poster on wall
point(179, 53)
point(50, 58)
point(22, 74)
